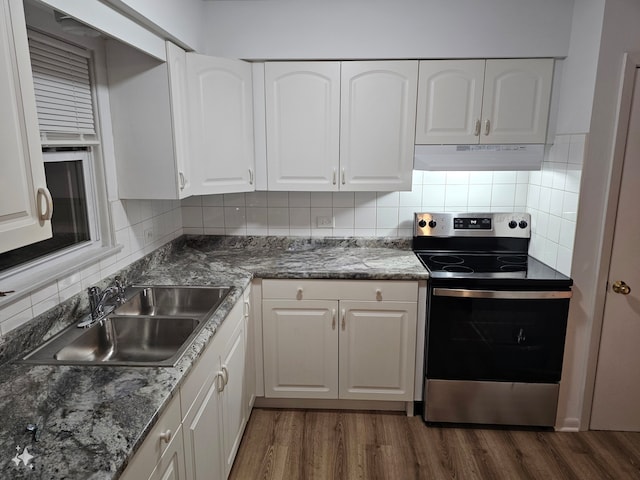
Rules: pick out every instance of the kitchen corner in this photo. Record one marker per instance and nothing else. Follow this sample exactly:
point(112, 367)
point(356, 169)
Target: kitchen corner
point(91, 420)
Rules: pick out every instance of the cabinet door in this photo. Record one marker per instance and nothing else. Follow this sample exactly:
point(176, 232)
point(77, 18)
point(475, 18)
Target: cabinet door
point(449, 101)
point(25, 202)
point(515, 107)
point(221, 123)
point(202, 427)
point(303, 125)
point(377, 125)
point(177, 68)
point(234, 412)
point(171, 465)
point(377, 350)
point(300, 348)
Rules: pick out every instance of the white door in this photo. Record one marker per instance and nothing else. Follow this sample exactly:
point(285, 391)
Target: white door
point(300, 348)
point(221, 123)
point(515, 106)
point(303, 125)
point(377, 350)
point(377, 125)
point(25, 202)
point(234, 412)
point(179, 100)
point(202, 429)
point(616, 399)
point(171, 464)
point(449, 101)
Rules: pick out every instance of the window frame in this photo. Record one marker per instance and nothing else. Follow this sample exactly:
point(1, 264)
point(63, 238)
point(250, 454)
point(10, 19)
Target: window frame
point(26, 278)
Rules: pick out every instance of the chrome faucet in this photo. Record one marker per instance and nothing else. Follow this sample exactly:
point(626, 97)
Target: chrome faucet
point(99, 298)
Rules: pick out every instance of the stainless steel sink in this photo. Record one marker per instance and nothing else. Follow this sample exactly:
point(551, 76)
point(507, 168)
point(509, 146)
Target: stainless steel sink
point(172, 301)
point(153, 328)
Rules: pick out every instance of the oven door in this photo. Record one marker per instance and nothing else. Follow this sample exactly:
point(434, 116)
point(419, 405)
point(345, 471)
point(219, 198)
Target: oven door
point(496, 335)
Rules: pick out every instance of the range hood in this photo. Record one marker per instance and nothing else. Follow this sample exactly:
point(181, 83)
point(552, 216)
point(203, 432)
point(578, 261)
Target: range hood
point(478, 157)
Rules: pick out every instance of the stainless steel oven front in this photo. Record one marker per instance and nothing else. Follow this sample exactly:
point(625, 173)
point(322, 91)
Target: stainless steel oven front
point(494, 355)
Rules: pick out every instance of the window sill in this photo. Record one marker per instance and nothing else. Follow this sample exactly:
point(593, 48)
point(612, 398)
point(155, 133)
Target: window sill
point(28, 282)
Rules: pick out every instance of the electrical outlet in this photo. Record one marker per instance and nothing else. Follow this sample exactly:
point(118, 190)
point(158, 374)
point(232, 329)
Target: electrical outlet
point(324, 222)
point(148, 235)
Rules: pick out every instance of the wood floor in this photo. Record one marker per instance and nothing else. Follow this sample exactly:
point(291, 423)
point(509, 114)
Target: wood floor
point(326, 445)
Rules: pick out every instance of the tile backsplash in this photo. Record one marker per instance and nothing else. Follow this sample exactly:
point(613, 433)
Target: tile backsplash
point(550, 195)
point(140, 227)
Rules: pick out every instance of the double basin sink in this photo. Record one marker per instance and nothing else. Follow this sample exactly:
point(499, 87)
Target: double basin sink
point(152, 328)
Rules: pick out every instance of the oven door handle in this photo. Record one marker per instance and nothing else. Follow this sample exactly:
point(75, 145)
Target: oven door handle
point(500, 294)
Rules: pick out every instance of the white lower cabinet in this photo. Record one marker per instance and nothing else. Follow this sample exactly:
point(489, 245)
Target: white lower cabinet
point(339, 339)
point(198, 435)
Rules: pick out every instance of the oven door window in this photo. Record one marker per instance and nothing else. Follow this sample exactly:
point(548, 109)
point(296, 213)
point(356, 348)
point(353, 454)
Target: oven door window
point(496, 339)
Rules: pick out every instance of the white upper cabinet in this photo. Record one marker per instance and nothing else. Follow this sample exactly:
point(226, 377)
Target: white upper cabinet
point(303, 125)
point(487, 102)
point(377, 125)
point(221, 124)
point(25, 202)
point(449, 101)
point(515, 108)
point(340, 125)
point(184, 127)
point(148, 109)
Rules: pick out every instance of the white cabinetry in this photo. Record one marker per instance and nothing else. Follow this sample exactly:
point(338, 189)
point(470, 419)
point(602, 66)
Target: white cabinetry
point(203, 441)
point(339, 339)
point(25, 202)
point(483, 101)
point(340, 125)
point(221, 124)
point(161, 456)
point(377, 125)
point(184, 127)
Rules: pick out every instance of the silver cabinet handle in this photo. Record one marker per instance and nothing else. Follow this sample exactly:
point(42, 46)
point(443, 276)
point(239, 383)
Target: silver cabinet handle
point(379, 295)
point(44, 204)
point(334, 176)
point(225, 372)
point(250, 177)
point(487, 126)
point(182, 180)
point(344, 180)
point(344, 322)
point(299, 293)
point(476, 131)
point(333, 319)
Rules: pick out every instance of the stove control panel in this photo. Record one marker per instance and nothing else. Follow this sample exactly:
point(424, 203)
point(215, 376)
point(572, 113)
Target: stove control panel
point(514, 225)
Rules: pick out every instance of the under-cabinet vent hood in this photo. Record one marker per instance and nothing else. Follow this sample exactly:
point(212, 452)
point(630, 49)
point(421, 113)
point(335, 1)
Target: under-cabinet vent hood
point(478, 157)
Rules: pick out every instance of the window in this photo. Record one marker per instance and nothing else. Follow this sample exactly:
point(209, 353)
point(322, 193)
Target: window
point(65, 106)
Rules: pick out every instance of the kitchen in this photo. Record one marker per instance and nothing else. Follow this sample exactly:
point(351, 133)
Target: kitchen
point(256, 30)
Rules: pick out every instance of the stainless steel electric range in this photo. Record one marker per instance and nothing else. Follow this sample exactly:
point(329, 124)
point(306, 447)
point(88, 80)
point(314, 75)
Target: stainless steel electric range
point(496, 321)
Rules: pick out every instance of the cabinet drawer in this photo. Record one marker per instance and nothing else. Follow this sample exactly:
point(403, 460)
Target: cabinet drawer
point(366, 290)
point(150, 453)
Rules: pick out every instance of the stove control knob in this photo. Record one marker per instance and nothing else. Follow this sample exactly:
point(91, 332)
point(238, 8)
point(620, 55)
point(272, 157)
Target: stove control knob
point(513, 224)
point(432, 224)
point(523, 224)
point(422, 223)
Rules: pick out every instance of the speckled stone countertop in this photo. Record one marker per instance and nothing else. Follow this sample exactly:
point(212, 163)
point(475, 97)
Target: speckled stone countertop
point(92, 419)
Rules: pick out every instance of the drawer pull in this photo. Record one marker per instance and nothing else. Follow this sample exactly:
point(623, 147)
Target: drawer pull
point(379, 295)
point(299, 294)
point(165, 436)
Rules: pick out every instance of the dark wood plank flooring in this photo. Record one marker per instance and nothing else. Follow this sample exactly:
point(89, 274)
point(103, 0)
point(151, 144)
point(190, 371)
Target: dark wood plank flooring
point(327, 445)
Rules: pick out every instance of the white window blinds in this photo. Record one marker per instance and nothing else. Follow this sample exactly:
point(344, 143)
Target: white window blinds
point(62, 81)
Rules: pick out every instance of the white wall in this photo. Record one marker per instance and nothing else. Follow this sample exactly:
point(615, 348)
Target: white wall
point(258, 29)
point(181, 20)
point(620, 33)
point(579, 69)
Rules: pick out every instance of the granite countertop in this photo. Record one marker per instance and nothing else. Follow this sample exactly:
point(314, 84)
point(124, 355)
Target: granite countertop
point(92, 419)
